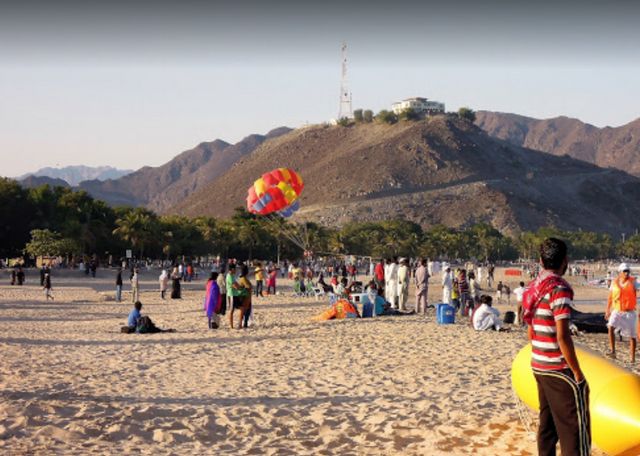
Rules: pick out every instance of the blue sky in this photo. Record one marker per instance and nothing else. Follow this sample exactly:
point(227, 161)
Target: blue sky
point(135, 85)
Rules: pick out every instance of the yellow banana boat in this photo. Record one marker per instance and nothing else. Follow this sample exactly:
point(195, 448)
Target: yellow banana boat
point(614, 399)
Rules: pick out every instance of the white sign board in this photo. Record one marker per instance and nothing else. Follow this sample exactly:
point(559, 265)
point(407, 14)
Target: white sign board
point(129, 253)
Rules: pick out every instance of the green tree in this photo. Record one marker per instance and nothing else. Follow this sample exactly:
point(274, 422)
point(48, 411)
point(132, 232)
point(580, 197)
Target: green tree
point(344, 122)
point(630, 248)
point(368, 116)
point(489, 241)
point(467, 114)
point(387, 117)
point(409, 114)
point(50, 243)
point(181, 236)
point(358, 115)
point(139, 227)
point(16, 218)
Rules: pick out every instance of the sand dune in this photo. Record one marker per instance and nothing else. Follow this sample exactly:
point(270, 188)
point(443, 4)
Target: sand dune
point(71, 383)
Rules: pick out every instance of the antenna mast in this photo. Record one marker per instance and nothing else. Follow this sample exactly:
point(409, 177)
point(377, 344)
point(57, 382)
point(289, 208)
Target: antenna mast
point(345, 96)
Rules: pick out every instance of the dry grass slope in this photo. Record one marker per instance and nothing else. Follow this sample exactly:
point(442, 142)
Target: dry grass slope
point(439, 170)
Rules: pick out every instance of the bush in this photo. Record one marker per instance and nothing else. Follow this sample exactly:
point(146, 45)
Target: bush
point(358, 116)
point(344, 122)
point(368, 115)
point(467, 113)
point(387, 117)
point(409, 114)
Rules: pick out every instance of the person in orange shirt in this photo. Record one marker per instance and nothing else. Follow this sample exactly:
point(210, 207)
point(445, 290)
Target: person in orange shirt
point(621, 310)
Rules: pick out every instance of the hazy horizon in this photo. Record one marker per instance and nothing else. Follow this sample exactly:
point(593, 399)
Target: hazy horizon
point(133, 85)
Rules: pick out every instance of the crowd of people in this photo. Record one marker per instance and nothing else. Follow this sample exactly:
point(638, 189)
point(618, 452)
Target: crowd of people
point(544, 306)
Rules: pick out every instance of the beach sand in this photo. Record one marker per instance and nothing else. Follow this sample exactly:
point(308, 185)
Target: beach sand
point(71, 383)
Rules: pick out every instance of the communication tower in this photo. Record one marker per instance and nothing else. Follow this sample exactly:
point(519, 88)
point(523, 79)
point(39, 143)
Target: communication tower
point(345, 96)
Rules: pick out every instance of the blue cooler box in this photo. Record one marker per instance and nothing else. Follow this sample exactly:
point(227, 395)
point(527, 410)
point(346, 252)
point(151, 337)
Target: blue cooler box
point(445, 314)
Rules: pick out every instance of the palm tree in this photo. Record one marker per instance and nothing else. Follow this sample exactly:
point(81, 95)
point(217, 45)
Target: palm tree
point(137, 227)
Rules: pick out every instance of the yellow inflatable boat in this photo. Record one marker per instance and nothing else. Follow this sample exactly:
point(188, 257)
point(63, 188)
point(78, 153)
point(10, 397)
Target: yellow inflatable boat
point(614, 399)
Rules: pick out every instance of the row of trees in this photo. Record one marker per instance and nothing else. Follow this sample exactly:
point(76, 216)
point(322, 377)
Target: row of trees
point(59, 221)
point(390, 117)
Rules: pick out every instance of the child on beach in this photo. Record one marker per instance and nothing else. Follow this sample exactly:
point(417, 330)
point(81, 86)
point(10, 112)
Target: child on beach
point(455, 295)
point(519, 292)
point(271, 281)
point(259, 275)
point(47, 287)
point(499, 292)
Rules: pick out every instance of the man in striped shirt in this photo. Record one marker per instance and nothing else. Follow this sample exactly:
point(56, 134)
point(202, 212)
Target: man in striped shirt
point(562, 388)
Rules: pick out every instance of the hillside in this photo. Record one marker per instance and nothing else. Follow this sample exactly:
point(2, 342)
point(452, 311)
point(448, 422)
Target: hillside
point(207, 172)
point(73, 175)
point(139, 187)
point(606, 147)
point(439, 170)
point(160, 187)
point(32, 181)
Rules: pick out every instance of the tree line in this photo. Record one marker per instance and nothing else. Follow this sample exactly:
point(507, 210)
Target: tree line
point(62, 222)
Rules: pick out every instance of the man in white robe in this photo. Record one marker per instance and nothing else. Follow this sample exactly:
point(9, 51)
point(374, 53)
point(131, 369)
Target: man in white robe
point(486, 317)
point(447, 285)
point(391, 282)
point(403, 284)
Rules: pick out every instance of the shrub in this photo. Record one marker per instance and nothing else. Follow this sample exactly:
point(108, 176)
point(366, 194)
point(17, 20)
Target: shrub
point(387, 117)
point(467, 113)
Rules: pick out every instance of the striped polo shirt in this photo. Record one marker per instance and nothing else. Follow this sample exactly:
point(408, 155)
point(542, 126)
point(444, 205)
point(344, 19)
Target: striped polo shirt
point(546, 354)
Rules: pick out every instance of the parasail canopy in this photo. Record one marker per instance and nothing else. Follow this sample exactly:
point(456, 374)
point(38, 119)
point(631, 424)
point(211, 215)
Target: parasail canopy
point(274, 191)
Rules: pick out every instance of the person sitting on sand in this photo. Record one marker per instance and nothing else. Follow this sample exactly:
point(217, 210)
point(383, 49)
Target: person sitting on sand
point(334, 284)
point(486, 317)
point(138, 323)
point(134, 316)
point(374, 295)
point(341, 289)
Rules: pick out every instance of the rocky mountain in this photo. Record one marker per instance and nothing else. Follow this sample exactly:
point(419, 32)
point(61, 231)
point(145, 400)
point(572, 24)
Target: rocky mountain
point(160, 187)
point(606, 147)
point(73, 175)
point(438, 170)
point(207, 172)
point(139, 187)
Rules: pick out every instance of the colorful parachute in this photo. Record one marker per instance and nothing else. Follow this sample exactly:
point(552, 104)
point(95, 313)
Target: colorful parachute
point(274, 191)
point(340, 310)
point(290, 210)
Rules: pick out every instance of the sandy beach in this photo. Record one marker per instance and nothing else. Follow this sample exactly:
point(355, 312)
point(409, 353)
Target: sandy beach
point(71, 383)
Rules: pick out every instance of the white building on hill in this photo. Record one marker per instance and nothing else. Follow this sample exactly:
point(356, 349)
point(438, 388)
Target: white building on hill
point(420, 105)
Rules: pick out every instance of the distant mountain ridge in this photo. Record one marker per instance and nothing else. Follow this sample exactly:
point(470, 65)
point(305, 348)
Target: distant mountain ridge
point(609, 147)
point(439, 170)
point(163, 186)
point(73, 175)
